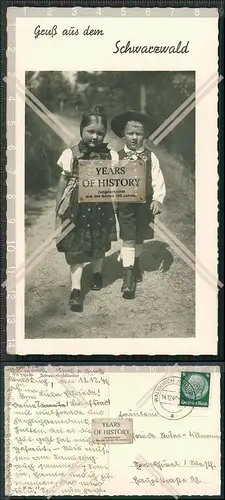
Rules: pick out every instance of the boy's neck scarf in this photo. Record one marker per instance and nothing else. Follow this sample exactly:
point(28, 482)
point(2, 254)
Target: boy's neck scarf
point(100, 150)
point(134, 155)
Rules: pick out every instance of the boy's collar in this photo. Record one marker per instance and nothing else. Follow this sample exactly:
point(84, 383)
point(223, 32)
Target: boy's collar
point(140, 150)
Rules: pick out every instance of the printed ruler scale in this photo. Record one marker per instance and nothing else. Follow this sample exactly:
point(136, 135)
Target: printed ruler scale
point(11, 191)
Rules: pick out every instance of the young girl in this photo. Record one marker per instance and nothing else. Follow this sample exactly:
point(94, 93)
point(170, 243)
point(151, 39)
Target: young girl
point(134, 218)
point(94, 223)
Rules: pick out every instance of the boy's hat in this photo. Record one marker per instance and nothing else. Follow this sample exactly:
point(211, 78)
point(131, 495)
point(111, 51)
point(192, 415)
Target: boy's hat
point(119, 122)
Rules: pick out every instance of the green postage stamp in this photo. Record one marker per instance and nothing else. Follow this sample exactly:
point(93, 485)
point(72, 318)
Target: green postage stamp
point(194, 389)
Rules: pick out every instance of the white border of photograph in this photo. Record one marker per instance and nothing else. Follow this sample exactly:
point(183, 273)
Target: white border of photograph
point(79, 53)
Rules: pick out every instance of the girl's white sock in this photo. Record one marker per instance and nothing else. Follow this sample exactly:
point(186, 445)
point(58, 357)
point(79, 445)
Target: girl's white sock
point(138, 250)
point(128, 256)
point(76, 275)
point(97, 266)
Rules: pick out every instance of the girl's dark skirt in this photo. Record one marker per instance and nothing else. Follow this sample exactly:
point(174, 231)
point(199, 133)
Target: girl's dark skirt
point(134, 220)
point(94, 230)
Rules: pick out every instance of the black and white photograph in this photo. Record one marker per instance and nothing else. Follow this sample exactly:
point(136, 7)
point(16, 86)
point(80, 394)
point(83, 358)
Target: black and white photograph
point(114, 274)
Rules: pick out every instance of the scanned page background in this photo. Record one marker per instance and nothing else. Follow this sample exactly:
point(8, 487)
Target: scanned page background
point(49, 448)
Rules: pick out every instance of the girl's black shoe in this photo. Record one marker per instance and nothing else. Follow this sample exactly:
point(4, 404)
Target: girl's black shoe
point(137, 271)
point(75, 301)
point(129, 283)
point(96, 281)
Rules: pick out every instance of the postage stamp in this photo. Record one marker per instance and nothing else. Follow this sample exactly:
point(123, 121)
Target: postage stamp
point(112, 430)
point(195, 389)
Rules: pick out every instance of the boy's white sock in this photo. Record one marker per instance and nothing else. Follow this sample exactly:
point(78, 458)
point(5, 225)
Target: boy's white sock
point(138, 250)
point(76, 275)
point(97, 266)
point(128, 256)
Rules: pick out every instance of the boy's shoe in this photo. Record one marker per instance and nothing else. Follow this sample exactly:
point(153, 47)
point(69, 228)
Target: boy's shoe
point(129, 283)
point(75, 301)
point(138, 271)
point(96, 281)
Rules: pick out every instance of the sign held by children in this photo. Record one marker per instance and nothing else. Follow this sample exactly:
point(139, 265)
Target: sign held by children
point(100, 181)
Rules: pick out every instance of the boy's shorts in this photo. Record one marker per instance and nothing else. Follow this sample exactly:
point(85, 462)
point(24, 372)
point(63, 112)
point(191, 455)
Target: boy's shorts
point(134, 220)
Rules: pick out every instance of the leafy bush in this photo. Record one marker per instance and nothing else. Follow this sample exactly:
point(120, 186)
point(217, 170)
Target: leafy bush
point(42, 150)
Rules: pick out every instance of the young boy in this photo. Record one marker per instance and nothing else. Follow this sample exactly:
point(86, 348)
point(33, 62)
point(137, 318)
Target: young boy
point(134, 218)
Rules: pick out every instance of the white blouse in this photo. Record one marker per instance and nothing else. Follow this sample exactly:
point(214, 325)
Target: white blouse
point(65, 162)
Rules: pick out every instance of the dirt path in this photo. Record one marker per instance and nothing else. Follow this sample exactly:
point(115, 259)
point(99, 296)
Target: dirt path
point(164, 303)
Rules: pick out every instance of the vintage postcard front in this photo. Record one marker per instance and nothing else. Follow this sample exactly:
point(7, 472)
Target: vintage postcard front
point(113, 430)
point(112, 181)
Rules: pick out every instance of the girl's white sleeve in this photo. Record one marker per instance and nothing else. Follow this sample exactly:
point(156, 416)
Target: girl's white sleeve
point(65, 162)
point(158, 183)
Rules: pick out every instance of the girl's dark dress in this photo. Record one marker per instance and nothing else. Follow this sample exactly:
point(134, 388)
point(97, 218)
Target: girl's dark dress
point(94, 223)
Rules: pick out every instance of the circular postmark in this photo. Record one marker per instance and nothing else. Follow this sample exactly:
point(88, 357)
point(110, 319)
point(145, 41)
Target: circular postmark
point(166, 399)
point(194, 387)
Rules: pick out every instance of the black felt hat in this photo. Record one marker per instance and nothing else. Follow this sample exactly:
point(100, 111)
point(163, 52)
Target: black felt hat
point(119, 122)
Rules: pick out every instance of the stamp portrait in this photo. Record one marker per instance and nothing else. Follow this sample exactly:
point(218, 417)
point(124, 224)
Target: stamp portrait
point(195, 389)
